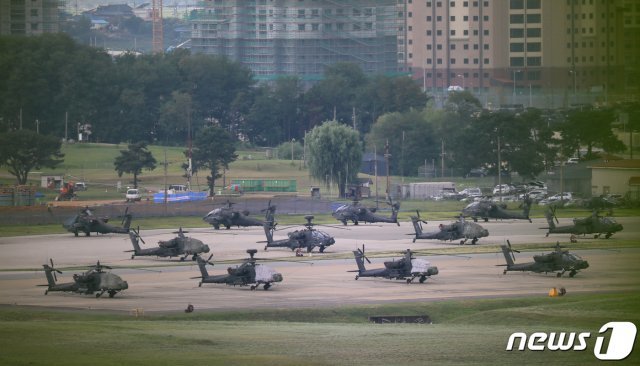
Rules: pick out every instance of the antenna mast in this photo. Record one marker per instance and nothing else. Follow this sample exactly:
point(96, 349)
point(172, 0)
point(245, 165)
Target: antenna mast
point(156, 17)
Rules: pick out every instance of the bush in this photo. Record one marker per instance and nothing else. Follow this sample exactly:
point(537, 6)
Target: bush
point(283, 151)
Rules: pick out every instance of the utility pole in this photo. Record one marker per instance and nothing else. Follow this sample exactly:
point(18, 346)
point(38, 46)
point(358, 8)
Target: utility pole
point(386, 158)
point(442, 153)
point(499, 169)
point(66, 126)
point(375, 170)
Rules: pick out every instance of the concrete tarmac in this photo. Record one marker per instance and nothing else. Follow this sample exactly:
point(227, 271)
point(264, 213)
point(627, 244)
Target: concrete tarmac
point(324, 283)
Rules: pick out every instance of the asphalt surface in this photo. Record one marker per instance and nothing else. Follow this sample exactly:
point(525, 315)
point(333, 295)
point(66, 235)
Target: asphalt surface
point(165, 285)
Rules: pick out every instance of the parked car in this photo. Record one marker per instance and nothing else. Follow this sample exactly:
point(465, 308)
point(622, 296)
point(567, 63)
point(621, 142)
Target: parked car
point(80, 186)
point(478, 172)
point(471, 192)
point(536, 195)
point(573, 161)
point(562, 197)
point(502, 189)
point(133, 194)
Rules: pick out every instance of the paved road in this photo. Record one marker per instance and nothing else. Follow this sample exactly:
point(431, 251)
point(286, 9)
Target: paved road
point(325, 283)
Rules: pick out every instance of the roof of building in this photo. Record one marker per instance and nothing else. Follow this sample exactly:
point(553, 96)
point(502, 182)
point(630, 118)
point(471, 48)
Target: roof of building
point(618, 164)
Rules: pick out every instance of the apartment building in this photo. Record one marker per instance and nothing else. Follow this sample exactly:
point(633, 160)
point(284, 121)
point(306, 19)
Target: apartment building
point(29, 17)
point(299, 37)
point(543, 53)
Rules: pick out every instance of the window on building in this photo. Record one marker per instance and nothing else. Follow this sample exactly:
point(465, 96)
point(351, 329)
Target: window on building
point(452, 4)
point(452, 46)
point(429, 61)
point(516, 61)
point(465, 32)
point(453, 61)
point(438, 18)
point(475, 61)
point(486, 61)
point(533, 4)
point(485, 18)
point(439, 47)
point(301, 27)
point(428, 47)
point(327, 26)
point(516, 18)
point(34, 26)
point(485, 32)
point(315, 26)
point(439, 61)
point(465, 18)
point(486, 46)
point(475, 46)
point(516, 33)
point(534, 18)
point(475, 18)
point(429, 32)
point(452, 18)
point(438, 32)
point(475, 32)
point(452, 32)
point(534, 32)
point(534, 61)
point(465, 61)
point(300, 13)
point(534, 47)
point(411, 41)
point(34, 12)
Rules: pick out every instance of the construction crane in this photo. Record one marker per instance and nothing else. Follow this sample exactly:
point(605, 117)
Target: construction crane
point(156, 18)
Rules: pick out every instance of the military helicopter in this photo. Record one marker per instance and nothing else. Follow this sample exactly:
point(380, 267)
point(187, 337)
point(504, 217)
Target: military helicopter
point(559, 261)
point(308, 238)
point(356, 213)
point(408, 268)
point(248, 273)
point(227, 216)
point(94, 280)
point(594, 224)
point(460, 229)
point(85, 221)
point(491, 210)
point(180, 245)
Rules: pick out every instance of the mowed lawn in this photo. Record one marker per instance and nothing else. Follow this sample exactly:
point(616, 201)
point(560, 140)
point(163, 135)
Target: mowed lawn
point(464, 332)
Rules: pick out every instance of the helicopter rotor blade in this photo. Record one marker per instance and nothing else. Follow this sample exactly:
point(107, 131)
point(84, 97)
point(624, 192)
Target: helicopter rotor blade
point(511, 250)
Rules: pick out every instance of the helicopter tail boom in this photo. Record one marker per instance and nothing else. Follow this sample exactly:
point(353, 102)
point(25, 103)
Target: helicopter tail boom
point(507, 256)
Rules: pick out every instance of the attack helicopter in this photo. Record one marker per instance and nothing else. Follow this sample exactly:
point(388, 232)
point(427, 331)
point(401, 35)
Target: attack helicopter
point(308, 238)
point(85, 221)
point(356, 213)
point(559, 261)
point(460, 229)
point(594, 224)
point(180, 245)
point(249, 273)
point(94, 280)
point(490, 210)
point(226, 216)
point(407, 268)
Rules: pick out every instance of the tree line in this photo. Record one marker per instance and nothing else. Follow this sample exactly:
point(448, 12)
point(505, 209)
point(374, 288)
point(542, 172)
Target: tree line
point(50, 83)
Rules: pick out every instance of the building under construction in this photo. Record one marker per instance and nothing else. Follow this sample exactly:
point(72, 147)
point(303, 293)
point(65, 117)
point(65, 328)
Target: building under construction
point(29, 17)
point(299, 37)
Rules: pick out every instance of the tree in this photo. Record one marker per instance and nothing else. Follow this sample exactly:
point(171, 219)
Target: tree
point(24, 150)
point(213, 149)
point(335, 154)
point(411, 140)
point(590, 128)
point(133, 160)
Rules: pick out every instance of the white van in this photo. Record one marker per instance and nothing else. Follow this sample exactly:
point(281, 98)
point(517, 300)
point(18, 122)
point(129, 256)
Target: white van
point(133, 194)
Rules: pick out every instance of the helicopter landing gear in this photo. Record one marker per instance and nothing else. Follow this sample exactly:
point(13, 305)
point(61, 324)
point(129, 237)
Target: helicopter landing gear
point(356, 279)
point(607, 235)
point(559, 274)
point(546, 235)
point(228, 227)
point(47, 291)
point(133, 256)
point(474, 241)
point(572, 273)
point(322, 249)
point(504, 272)
point(423, 278)
point(87, 233)
point(112, 293)
point(200, 284)
point(182, 259)
point(99, 294)
point(355, 222)
point(267, 286)
point(217, 227)
point(409, 280)
point(194, 257)
point(75, 232)
point(344, 222)
point(265, 248)
point(596, 236)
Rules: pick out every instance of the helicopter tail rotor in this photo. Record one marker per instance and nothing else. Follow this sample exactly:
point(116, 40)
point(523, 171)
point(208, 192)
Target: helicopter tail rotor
point(511, 250)
point(54, 270)
point(363, 255)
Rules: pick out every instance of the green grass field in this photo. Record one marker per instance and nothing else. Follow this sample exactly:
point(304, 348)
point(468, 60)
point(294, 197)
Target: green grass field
point(464, 332)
